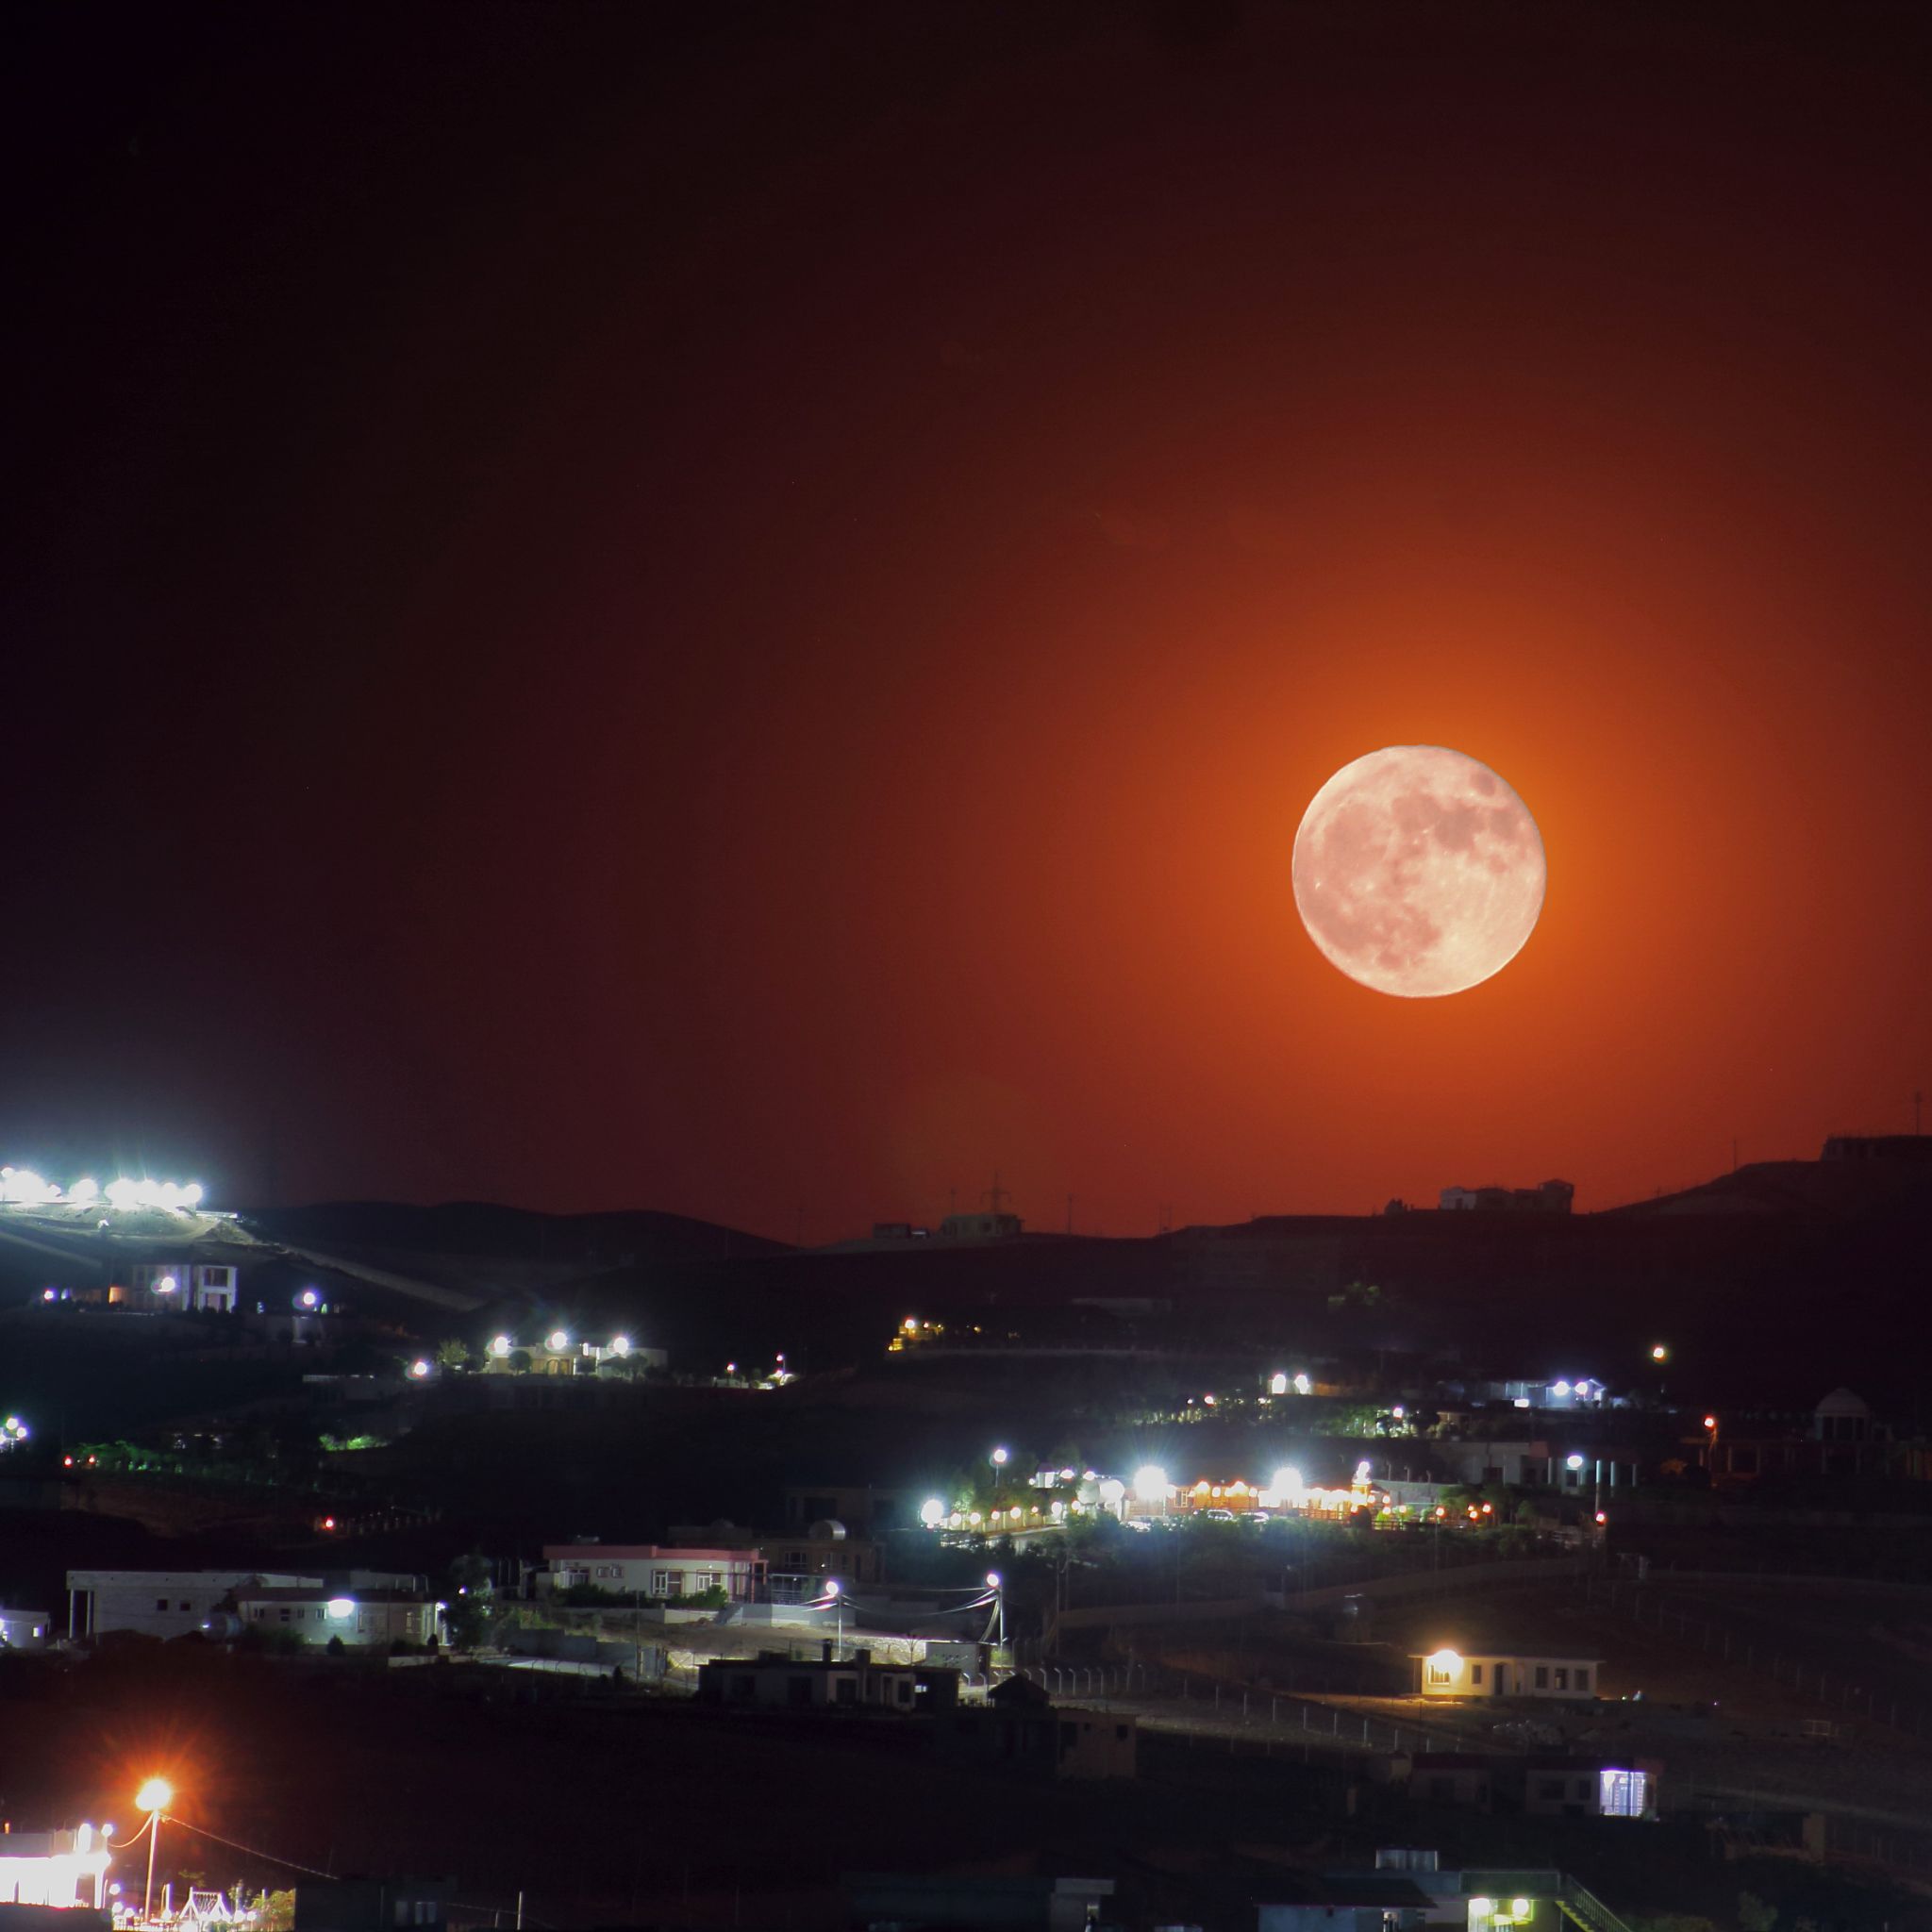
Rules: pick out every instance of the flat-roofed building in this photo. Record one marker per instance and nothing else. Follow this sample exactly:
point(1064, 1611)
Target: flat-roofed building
point(652, 1570)
point(158, 1603)
point(1509, 1673)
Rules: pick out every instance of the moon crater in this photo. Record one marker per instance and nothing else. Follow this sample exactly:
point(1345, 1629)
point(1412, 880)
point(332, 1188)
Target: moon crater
point(1418, 871)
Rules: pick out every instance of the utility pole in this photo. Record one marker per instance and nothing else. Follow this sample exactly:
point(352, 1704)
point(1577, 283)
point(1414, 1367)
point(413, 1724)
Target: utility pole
point(996, 1196)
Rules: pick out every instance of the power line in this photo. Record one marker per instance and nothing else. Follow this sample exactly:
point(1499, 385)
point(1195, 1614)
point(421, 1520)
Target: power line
point(313, 1871)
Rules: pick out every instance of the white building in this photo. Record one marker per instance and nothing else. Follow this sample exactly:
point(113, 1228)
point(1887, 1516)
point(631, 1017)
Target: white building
point(62, 1869)
point(156, 1603)
point(1491, 1673)
point(26, 1629)
point(362, 1617)
point(197, 1284)
point(650, 1569)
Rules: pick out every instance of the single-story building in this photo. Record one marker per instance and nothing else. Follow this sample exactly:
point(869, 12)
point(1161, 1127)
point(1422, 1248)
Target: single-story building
point(26, 1629)
point(1453, 1777)
point(158, 1603)
point(1021, 1727)
point(62, 1869)
point(1504, 1674)
point(652, 1570)
point(1349, 1902)
point(369, 1616)
point(1590, 1788)
point(774, 1679)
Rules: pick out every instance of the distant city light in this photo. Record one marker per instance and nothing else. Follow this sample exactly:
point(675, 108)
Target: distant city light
point(1573, 1462)
point(310, 1298)
point(1277, 1383)
point(166, 1285)
point(499, 1346)
point(620, 1345)
point(1711, 1422)
point(1400, 1413)
point(1601, 1517)
point(419, 1368)
point(1302, 1386)
point(1112, 1491)
point(999, 1459)
point(1449, 1660)
point(1150, 1484)
point(341, 1607)
point(559, 1339)
point(156, 1794)
point(1659, 1353)
point(932, 1512)
point(1560, 1389)
point(993, 1579)
point(1287, 1482)
point(21, 1187)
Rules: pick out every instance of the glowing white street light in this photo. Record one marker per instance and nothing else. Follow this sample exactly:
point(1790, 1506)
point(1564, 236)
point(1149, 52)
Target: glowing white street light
point(341, 1607)
point(419, 1369)
point(999, 1599)
point(999, 1459)
point(559, 1341)
point(932, 1512)
point(620, 1345)
point(1277, 1383)
point(499, 1346)
point(1150, 1484)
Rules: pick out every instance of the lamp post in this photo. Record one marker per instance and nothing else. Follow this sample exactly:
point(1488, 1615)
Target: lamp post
point(838, 1597)
point(153, 1798)
point(999, 1600)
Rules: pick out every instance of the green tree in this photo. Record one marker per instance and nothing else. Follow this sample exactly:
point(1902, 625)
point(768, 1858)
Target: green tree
point(519, 1363)
point(1756, 1914)
point(471, 1598)
point(454, 1353)
point(275, 1910)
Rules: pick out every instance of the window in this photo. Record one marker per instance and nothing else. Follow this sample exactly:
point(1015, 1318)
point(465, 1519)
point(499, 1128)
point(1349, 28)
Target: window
point(665, 1582)
point(184, 1605)
point(798, 1691)
point(1583, 1790)
point(1550, 1789)
point(1475, 1674)
point(1542, 1677)
point(285, 1616)
point(1441, 1673)
point(1441, 1790)
point(743, 1687)
point(402, 1912)
point(1120, 1734)
point(1583, 1679)
point(904, 1691)
point(1562, 1678)
point(1622, 1793)
point(846, 1690)
point(160, 1602)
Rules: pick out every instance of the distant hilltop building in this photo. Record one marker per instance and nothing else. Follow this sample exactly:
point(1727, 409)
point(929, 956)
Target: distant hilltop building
point(978, 1227)
point(1879, 1147)
point(1549, 1197)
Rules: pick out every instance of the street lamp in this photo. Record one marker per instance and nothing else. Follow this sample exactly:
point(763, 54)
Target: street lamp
point(999, 1598)
point(838, 1598)
point(154, 1797)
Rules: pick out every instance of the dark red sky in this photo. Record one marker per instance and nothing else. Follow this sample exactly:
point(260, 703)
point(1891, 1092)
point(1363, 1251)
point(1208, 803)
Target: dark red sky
point(735, 609)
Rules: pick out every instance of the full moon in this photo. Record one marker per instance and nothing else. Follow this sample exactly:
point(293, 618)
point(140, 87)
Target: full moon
point(1418, 871)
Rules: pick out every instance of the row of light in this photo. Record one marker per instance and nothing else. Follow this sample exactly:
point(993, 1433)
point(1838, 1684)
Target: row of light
point(557, 1342)
point(19, 1187)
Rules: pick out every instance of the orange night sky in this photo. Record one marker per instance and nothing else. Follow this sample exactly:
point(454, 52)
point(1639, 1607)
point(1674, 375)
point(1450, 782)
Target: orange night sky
point(828, 554)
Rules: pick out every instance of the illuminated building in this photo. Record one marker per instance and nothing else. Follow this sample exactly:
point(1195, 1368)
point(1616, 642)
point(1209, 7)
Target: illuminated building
point(1490, 1673)
point(62, 1869)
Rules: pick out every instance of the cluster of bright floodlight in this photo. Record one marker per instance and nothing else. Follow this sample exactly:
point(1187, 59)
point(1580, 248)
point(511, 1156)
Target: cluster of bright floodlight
point(557, 1342)
point(21, 1187)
